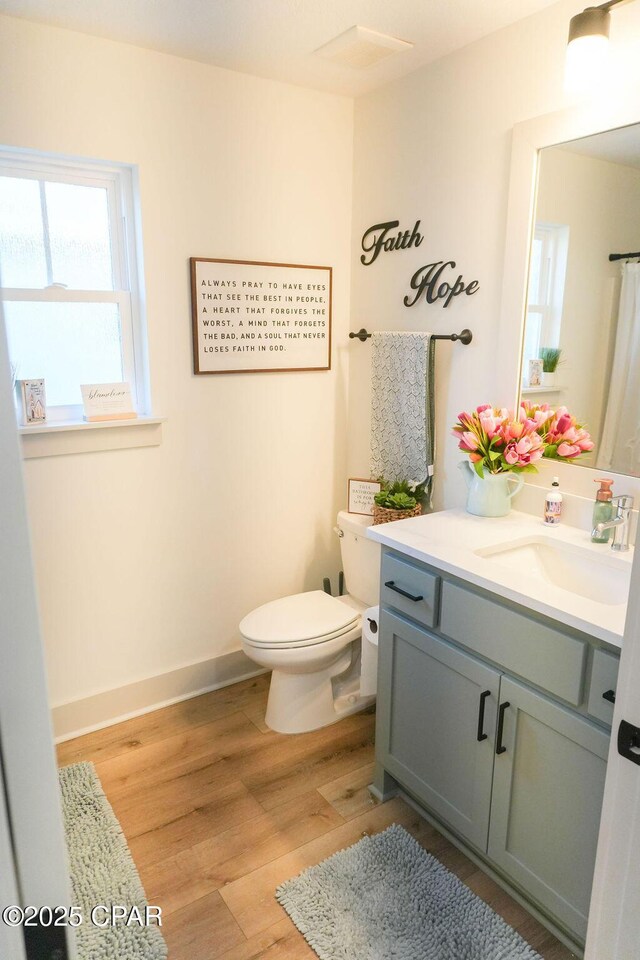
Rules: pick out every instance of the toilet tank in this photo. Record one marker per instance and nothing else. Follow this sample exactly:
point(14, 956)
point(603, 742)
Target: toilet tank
point(360, 558)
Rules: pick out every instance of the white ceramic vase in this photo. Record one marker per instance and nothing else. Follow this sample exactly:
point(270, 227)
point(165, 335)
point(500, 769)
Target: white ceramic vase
point(490, 495)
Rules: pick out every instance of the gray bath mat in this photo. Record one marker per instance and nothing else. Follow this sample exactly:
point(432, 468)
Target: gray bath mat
point(385, 898)
point(102, 872)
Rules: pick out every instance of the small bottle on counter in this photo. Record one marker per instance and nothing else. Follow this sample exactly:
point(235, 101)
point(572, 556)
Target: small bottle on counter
point(553, 504)
point(602, 511)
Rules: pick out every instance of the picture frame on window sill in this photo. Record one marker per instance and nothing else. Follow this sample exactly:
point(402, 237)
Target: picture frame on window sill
point(32, 401)
point(107, 401)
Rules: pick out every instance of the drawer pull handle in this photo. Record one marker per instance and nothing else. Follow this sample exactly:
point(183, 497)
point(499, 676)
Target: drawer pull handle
point(499, 746)
point(481, 734)
point(403, 593)
point(609, 695)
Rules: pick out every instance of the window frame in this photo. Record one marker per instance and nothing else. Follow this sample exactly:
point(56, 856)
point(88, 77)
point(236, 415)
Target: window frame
point(120, 182)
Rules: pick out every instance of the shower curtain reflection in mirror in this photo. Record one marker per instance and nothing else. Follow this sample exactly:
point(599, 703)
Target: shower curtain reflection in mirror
point(619, 450)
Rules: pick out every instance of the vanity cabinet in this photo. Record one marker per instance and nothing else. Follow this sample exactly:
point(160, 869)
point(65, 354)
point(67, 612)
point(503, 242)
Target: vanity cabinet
point(485, 719)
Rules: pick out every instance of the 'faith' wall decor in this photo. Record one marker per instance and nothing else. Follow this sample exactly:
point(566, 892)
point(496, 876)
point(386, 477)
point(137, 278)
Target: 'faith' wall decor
point(251, 316)
point(432, 282)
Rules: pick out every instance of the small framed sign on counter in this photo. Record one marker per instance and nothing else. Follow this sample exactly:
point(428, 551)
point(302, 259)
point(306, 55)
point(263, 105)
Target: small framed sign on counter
point(361, 494)
point(250, 316)
point(107, 401)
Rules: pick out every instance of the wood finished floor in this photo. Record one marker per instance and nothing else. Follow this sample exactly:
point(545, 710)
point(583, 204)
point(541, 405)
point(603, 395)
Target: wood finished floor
point(218, 810)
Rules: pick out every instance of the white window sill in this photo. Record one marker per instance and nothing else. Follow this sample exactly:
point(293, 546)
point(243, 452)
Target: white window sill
point(528, 390)
point(61, 437)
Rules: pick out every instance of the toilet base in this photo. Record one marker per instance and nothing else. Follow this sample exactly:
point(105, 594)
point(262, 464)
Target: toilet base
point(300, 703)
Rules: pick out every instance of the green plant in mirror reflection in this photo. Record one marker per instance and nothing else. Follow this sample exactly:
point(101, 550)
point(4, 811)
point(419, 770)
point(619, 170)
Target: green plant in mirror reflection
point(550, 357)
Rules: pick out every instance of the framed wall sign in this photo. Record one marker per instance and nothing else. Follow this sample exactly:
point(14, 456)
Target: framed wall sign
point(361, 494)
point(251, 316)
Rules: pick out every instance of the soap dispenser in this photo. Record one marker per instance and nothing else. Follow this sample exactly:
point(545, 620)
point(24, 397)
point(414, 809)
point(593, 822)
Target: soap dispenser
point(602, 511)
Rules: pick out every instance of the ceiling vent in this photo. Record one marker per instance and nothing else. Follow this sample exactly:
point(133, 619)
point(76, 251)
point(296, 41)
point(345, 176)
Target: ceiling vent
point(360, 48)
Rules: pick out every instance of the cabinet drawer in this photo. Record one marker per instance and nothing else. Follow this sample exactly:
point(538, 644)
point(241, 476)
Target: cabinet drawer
point(604, 678)
point(541, 654)
point(410, 589)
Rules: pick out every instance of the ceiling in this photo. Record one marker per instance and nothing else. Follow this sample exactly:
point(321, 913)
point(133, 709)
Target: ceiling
point(276, 38)
point(617, 146)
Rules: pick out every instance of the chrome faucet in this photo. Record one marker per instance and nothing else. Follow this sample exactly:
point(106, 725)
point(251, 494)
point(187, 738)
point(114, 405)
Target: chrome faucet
point(620, 524)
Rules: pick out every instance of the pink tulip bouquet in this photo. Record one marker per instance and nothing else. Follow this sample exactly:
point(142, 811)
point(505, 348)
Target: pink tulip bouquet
point(498, 441)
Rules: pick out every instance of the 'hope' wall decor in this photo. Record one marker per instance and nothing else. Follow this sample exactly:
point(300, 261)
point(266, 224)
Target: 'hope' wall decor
point(434, 281)
point(252, 316)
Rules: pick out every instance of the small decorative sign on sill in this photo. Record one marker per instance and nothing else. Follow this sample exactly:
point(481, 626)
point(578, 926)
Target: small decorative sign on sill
point(361, 494)
point(32, 401)
point(107, 401)
point(535, 373)
point(251, 316)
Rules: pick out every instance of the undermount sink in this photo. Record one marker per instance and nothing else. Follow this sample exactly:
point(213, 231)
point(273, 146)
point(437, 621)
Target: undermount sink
point(603, 578)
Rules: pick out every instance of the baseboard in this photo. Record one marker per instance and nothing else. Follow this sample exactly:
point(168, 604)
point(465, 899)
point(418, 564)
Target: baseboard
point(78, 717)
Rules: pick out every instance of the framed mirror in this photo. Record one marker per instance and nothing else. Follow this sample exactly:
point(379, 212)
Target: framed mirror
point(570, 314)
point(581, 343)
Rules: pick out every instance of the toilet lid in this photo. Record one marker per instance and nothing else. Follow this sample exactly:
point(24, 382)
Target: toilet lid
point(311, 616)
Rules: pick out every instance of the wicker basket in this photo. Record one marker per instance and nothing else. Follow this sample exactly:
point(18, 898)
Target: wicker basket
point(387, 514)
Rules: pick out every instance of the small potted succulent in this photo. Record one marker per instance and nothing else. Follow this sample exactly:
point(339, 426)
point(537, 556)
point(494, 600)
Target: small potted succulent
point(550, 357)
point(397, 501)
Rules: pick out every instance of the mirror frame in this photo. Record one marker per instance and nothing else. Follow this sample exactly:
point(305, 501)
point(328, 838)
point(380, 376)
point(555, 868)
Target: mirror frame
point(529, 138)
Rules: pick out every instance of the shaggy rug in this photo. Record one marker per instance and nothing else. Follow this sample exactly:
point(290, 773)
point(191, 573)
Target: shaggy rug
point(386, 898)
point(102, 872)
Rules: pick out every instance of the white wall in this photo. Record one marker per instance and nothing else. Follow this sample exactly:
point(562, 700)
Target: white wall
point(600, 203)
point(147, 559)
point(436, 146)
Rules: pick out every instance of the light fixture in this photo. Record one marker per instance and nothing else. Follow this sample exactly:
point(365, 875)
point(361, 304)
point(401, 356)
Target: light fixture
point(588, 46)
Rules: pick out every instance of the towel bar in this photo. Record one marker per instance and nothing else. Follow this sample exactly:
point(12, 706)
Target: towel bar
point(465, 336)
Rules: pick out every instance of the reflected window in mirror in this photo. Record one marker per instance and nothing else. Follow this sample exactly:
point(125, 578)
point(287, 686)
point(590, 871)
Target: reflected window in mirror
point(580, 302)
point(547, 273)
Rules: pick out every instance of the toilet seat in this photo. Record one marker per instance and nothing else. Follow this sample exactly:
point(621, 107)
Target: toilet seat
point(300, 620)
point(299, 644)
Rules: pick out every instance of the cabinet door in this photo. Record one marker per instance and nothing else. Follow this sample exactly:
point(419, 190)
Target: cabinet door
point(430, 697)
point(547, 798)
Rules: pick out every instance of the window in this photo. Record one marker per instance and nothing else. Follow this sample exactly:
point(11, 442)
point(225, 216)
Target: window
point(69, 278)
point(547, 273)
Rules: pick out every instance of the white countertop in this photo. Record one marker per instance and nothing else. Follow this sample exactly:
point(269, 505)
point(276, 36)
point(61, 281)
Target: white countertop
point(451, 539)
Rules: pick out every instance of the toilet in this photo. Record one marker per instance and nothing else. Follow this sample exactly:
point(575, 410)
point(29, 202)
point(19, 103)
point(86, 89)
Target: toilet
point(311, 641)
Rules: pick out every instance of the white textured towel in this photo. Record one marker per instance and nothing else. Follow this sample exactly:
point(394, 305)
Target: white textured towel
point(402, 414)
